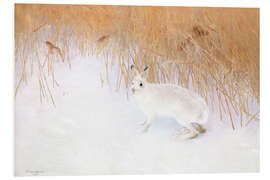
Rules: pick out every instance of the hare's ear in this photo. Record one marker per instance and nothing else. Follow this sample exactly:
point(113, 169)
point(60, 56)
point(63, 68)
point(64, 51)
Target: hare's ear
point(133, 68)
point(145, 71)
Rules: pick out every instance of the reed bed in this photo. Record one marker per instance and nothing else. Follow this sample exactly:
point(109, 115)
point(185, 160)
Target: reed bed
point(213, 51)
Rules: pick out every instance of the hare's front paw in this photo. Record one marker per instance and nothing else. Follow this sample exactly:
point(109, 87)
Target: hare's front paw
point(142, 123)
point(144, 129)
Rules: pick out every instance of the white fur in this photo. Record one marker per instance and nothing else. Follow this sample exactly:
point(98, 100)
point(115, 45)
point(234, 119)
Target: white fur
point(169, 100)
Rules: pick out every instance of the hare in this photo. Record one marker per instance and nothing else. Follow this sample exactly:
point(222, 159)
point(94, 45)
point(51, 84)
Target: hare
point(188, 108)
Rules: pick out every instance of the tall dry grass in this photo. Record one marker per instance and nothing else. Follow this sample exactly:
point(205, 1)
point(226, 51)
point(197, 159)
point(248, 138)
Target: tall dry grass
point(215, 51)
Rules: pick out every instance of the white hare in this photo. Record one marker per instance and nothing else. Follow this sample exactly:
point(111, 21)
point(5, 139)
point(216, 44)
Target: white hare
point(188, 108)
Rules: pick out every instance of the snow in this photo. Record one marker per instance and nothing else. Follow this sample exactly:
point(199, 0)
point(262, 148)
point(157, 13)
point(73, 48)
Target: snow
point(94, 130)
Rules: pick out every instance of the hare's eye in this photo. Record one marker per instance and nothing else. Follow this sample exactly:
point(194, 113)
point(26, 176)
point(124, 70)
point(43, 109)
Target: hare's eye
point(141, 84)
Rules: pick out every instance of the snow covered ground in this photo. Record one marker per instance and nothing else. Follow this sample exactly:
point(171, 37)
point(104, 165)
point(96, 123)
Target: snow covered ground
point(94, 130)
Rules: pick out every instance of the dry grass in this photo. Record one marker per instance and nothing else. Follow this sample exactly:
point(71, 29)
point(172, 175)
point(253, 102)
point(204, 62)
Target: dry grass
point(213, 50)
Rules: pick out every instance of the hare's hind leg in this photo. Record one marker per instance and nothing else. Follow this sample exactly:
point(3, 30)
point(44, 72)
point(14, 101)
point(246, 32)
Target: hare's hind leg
point(199, 127)
point(188, 132)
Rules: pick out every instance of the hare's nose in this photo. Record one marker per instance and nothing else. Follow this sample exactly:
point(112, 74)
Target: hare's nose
point(133, 90)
